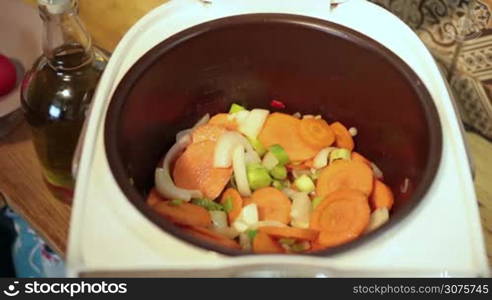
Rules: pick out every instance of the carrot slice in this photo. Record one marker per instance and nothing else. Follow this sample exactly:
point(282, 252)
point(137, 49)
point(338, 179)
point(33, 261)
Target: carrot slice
point(382, 196)
point(290, 232)
point(316, 133)
point(194, 170)
point(207, 132)
point(184, 213)
point(351, 174)
point(273, 205)
point(360, 157)
point(282, 129)
point(237, 203)
point(210, 236)
point(341, 217)
point(153, 198)
point(343, 138)
point(262, 243)
point(223, 120)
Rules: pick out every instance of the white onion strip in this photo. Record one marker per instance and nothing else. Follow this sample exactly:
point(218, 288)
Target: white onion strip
point(184, 132)
point(253, 124)
point(226, 143)
point(163, 181)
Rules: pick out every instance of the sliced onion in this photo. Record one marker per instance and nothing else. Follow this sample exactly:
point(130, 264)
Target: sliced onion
point(253, 124)
point(241, 116)
point(202, 121)
point(378, 218)
point(252, 157)
point(377, 171)
point(226, 144)
point(219, 218)
point(240, 175)
point(301, 210)
point(184, 132)
point(321, 159)
point(223, 149)
point(163, 181)
point(245, 241)
point(247, 217)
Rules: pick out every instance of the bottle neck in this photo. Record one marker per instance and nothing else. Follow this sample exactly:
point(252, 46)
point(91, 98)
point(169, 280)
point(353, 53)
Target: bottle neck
point(66, 42)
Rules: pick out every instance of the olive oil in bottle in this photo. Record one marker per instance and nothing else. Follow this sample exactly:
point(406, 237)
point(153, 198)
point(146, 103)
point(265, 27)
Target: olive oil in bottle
point(57, 91)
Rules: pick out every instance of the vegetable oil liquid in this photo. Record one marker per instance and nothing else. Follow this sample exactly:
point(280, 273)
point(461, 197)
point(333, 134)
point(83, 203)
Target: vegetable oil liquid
point(55, 97)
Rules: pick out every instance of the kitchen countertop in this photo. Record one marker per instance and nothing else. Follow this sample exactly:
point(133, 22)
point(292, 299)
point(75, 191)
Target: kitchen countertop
point(20, 176)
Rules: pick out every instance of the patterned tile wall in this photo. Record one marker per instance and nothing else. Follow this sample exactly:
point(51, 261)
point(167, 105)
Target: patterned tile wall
point(459, 34)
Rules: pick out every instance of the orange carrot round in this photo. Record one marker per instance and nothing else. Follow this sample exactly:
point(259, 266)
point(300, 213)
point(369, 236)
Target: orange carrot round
point(282, 129)
point(207, 132)
point(343, 138)
point(262, 243)
point(341, 217)
point(273, 205)
point(184, 213)
point(290, 232)
point(316, 133)
point(237, 203)
point(351, 174)
point(382, 196)
point(194, 170)
point(210, 236)
point(223, 120)
point(359, 157)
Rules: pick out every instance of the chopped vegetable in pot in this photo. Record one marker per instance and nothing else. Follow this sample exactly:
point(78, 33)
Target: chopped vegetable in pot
point(275, 183)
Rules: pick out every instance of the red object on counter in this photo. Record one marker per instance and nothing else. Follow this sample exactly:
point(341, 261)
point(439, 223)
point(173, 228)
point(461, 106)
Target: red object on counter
point(8, 75)
point(277, 104)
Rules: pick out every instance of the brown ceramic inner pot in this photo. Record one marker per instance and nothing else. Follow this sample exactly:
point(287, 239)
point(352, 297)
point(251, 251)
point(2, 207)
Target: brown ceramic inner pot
point(311, 65)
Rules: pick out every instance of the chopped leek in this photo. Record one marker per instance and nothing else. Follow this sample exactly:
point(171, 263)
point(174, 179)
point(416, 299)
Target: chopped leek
point(228, 205)
point(176, 202)
point(258, 176)
point(301, 210)
point(279, 172)
point(340, 153)
point(236, 108)
point(251, 233)
point(278, 184)
point(316, 201)
point(207, 204)
point(304, 184)
point(258, 146)
point(280, 154)
point(269, 161)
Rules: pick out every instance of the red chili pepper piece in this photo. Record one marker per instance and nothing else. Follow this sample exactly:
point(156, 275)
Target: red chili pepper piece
point(277, 104)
